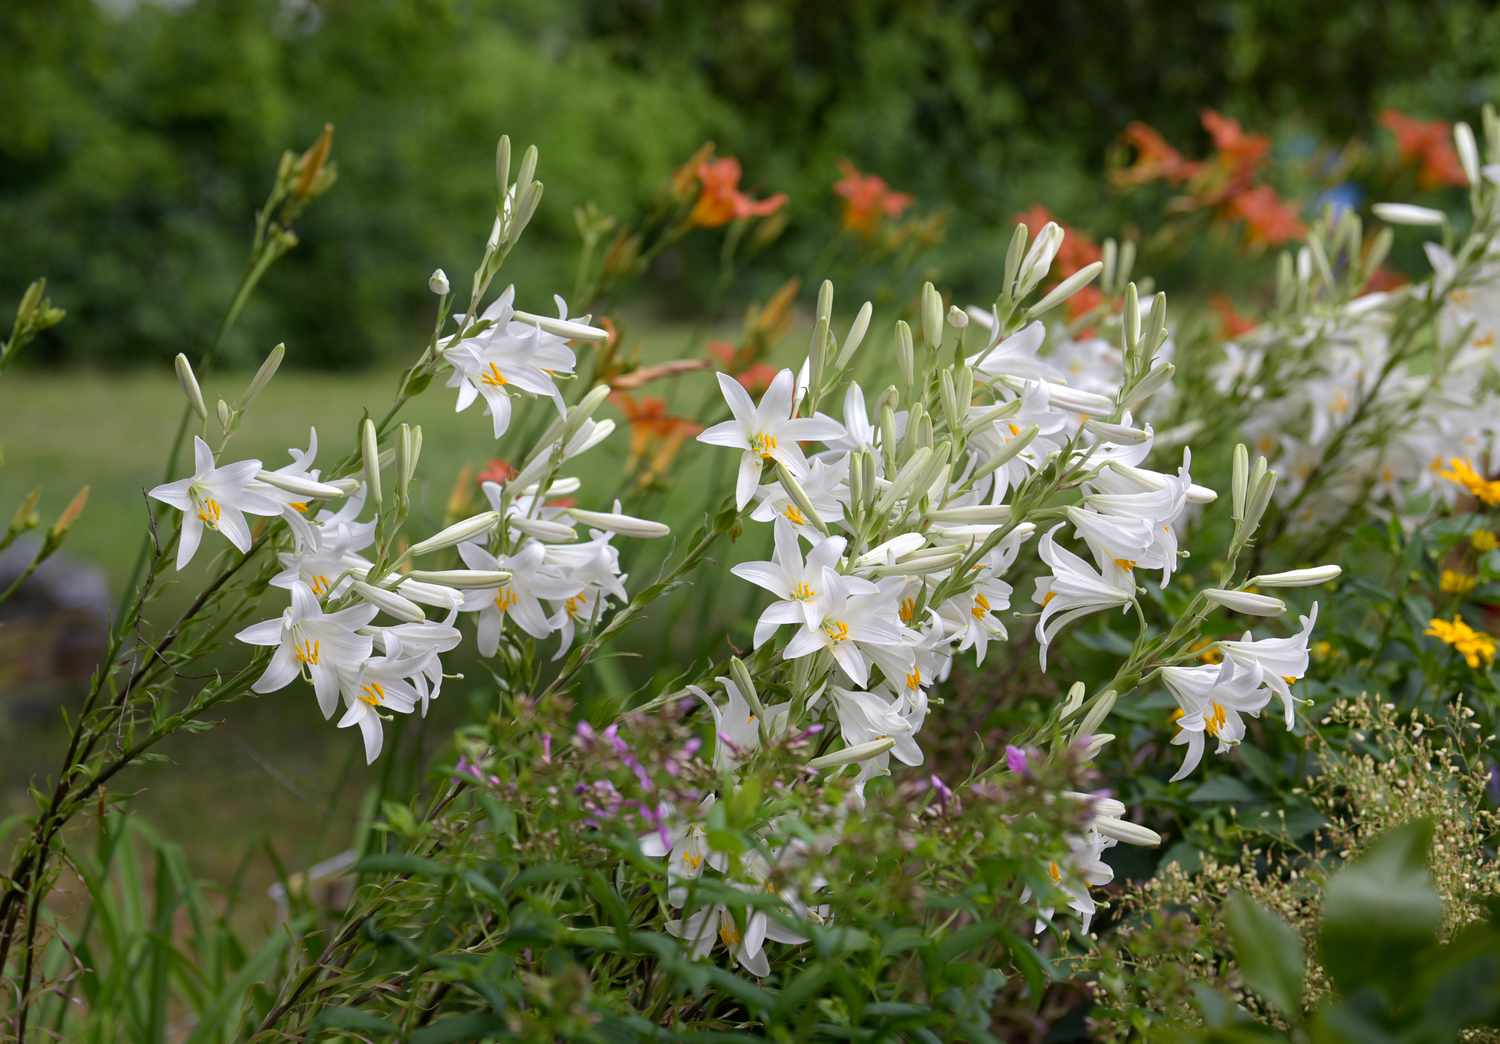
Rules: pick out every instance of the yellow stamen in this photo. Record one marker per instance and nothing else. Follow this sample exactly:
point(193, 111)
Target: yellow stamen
point(320, 585)
point(914, 679)
point(1055, 872)
point(1127, 564)
point(1214, 721)
point(493, 377)
point(209, 512)
point(374, 693)
point(908, 609)
point(794, 516)
point(764, 445)
point(299, 506)
point(803, 592)
point(837, 630)
point(307, 653)
point(505, 598)
point(692, 860)
point(981, 607)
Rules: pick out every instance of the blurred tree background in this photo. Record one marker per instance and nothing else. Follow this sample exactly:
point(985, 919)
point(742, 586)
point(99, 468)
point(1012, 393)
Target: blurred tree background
point(139, 137)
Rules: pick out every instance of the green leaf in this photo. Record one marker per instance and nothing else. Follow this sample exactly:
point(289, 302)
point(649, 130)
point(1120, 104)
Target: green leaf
point(352, 1019)
point(400, 863)
point(1269, 953)
point(473, 1026)
point(1380, 911)
point(1223, 789)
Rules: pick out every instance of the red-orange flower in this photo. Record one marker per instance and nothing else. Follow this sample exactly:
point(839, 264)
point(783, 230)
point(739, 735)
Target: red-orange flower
point(653, 429)
point(1231, 323)
point(1155, 160)
point(720, 200)
point(1426, 145)
point(1077, 251)
point(1238, 151)
point(1269, 220)
point(496, 470)
point(868, 200)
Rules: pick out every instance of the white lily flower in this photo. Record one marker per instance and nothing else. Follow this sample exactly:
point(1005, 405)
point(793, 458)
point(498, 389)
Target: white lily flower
point(736, 728)
point(1210, 700)
point(518, 599)
point(850, 619)
point(1075, 589)
point(509, 354)
point(766, 432)
point(864, 717)
point(376, 685)
point(216, 497)
point(793, 581)
point(1084, 868)
point(685, 844)
point(699, 930)
point(1278, 663)
point(309, 640)
point(419, 645)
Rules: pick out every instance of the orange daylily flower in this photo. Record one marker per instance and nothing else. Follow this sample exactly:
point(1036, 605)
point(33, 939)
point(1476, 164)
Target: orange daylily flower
point(1155, 160)
point(1231, 323)
point(1426, 145)
point(654, 430)
point(1269, 220)
point(1239, 151)
point(868, 200)
point(720, 200)
point(496, 470)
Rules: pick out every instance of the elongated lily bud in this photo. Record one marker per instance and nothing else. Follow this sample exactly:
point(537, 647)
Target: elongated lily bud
point(189, 382)
point(625, 525)
point(1073, 702)
point(1013, 255)
point(983, 514)
point(1245, 602)
point(1038, 260)
point(1408, 214)
point(1260, 501)
point(390, 602)
point(856, 335)
point(851, 755)
point(888, 436)
point(546, 531)
point(1119, 434)
point(799, 497)
point(905, 354)
point(1065, 289)
point(891, 550)
point(263, 375)
point(856, 480)
point(570, 329)
point(1127, 832)
point(304, 487)
point(905, 480)
point(825, 300)
point(1006, 453)
point(1097, 713)
point(468, 529)
point(932, 316)
point(949, 395)
point(921, 566)
point(69, 516)
point(746, 684)
point(1146, 389)
point(1076, 400)
point(369, 446)
point(1197, 494)
point(1298, 577)
point(1239, 481)
point(502, 164)
point(463, 579)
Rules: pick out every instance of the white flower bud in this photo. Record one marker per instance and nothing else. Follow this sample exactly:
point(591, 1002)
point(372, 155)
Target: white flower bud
point(468, 529)
point(1240, 481)
point(1408, 214)
point(569, 329)
point(438, 282)
point(390, 602)
point(463, 579)
point(263, 375)
point(369, 446)
point(1245, 602)
point(625, 525)
point(1066, 289)
point(957, 317)
point(849, 755)
point(897, 547)
point(1126, 831)
point(1119, 434)
point(1298, 577)
point(1076, 400)
point(1097, 713)
point(932, 316)
point(982, 514)
point(543, 530)
point(303, 487)
point(1468, 151)
point(189, 382)
point(1197, 494)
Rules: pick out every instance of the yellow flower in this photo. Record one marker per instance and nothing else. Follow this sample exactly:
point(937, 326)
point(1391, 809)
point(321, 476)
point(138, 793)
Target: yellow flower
point(1484, 540)
point(1454, 582)
point(1462, 473)
point(1472, 645)
point(1322, 650)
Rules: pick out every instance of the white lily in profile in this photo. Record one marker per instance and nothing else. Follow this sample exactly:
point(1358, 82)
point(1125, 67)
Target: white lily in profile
point(700, 929)
point(1073, 590)
point(767, 432)
point(794, 581)
point(376, 685)
point(1210, 702)
point(216, 497)
point(736, 727)
point(865, 716)
point(420, 645)
point(309, 640)
point(1278, 663)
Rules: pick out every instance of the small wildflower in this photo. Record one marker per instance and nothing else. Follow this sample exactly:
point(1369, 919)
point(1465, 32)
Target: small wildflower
point(1472, 645)
point(1484, 540)
point(1454, 582)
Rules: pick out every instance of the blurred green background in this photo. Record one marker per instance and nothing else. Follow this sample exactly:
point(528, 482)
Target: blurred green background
point(139, 136)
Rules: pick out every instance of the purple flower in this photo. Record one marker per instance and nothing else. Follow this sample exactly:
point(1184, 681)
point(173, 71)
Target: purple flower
point(1015, 758)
